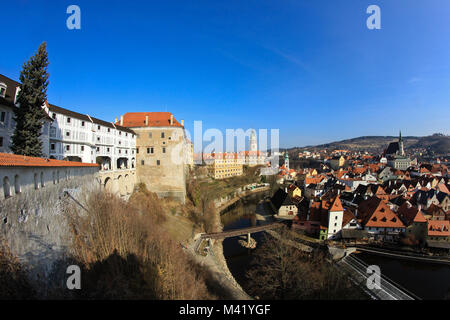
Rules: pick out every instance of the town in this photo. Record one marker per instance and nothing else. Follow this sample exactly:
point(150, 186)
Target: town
point(237, 151)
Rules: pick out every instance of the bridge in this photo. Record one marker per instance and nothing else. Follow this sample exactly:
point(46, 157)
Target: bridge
point(389, 290)
point(119, 181)
point(240, 232)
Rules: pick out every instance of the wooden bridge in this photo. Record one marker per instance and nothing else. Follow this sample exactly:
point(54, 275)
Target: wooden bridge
point(240, 232)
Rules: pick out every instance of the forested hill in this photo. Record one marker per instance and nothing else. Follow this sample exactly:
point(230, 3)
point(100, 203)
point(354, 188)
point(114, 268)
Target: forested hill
point(437, 143)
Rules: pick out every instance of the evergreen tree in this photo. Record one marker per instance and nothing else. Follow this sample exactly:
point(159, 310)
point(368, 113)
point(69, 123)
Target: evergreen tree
point(29, 115)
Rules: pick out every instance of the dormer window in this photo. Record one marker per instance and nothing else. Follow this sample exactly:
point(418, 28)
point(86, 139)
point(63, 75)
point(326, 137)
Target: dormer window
point(2, 89)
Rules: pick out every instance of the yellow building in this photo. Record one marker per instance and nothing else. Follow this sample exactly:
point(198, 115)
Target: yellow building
point(294, 191)
point(224, 165)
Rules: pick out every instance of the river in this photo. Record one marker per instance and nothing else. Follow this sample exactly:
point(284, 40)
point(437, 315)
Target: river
point(426, 280)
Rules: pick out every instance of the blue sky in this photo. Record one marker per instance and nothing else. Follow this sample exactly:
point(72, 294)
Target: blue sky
point(309, 68)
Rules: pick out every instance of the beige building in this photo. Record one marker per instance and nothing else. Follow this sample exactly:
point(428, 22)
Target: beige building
point(160, 152)
point(223, 165)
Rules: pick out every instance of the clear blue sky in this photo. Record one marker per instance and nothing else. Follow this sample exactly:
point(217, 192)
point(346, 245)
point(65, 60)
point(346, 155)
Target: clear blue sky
point(310, 68)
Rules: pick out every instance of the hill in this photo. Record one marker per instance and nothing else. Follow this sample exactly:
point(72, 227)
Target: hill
point(438, 144)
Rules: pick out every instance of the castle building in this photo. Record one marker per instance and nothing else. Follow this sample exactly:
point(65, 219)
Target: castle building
point(161, 152)
point(253, 157)
point(80, 137)
point(223, 164)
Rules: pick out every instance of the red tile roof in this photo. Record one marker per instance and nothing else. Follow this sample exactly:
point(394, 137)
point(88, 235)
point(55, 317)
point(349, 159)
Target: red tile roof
point(15, 160)
point(155, 119)
point(439, 228)
point(376, 213)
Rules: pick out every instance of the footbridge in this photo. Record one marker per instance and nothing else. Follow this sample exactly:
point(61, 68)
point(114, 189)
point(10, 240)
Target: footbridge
point(240, 232)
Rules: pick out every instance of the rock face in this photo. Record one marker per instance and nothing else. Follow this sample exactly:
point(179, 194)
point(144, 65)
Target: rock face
point(34, 223)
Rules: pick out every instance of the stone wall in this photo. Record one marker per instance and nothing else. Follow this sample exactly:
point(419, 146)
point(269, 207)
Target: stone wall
point(161, 162)
point(34, 222)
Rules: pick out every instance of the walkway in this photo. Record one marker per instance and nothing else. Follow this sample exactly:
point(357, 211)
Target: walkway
point(240, 232)
point(389, 289)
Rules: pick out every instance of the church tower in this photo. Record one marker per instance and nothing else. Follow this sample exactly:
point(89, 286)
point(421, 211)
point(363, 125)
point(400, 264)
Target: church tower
point(400, 145)
point(253, 142)
point(286, 161)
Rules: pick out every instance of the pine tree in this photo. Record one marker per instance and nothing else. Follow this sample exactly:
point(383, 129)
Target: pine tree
point(29, 115)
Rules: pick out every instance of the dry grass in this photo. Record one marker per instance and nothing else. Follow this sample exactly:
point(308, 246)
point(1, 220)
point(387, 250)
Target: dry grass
point(14, 283)
point(125, 252)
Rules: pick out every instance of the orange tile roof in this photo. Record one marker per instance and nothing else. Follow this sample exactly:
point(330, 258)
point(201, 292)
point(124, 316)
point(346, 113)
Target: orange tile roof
point(376, 213)
point(337, 205)
point(15, 160)
point(155, 119)
point(439, 228)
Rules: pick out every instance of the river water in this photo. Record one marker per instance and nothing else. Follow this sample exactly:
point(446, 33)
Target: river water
point(426, 280)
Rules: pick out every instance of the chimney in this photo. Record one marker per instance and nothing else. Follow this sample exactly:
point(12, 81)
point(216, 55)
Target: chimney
point(171, 119)
point(182, 122)
point(121, 120)
point(146, 120)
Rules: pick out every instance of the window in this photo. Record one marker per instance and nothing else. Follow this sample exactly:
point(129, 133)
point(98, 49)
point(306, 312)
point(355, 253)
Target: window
point(150, 135)
point(2, 89)
point(67, 133)
point(82, 123)
point(54, 115)
point(6, 187)
point(36, 184)
point(98, 139)
point(137, 150)
point(109, 130)
point(107, 149)
point(68, 120)
point(68, 148)
point(162, 134)
point(158, 162)
point(164, 150)
point(3, 116)
point(98, 127)
point(17, 184)
point(142, 162)
point(98, 149)
point(150, 150)
point(82, 148)
point(52, 147)
point(1, 141)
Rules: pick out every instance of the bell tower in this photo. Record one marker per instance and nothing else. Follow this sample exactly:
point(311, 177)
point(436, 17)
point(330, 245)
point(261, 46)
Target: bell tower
point(253, 142)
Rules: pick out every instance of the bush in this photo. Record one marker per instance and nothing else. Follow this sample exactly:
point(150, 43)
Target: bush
point(125, 253)
point(14, 283)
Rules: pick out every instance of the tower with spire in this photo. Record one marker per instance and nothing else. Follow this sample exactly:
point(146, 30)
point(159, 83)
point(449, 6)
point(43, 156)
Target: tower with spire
point(253, 142)
point(400, 145)
point(286, 161)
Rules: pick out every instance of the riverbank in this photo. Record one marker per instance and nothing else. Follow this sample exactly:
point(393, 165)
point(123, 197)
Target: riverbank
point(215, 261)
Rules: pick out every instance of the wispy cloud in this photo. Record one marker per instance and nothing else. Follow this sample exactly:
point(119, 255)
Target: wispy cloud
point(414, 80)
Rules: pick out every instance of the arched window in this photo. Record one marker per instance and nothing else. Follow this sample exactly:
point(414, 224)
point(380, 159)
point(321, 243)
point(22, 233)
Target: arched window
point(2, 89)
point(16, 184)
point(42, 180)
point(36, 183)
point(6, 187)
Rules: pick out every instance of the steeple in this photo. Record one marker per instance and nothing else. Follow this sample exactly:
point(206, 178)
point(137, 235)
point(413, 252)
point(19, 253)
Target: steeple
point(286, 160)
point(400, 144)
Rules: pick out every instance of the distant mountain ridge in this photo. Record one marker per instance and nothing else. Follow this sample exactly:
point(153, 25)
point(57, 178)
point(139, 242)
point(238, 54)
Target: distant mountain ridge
point(439, 144)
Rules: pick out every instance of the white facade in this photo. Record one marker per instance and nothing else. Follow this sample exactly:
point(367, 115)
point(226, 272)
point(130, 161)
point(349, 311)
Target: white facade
point(79, 137)
point(334, 223)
